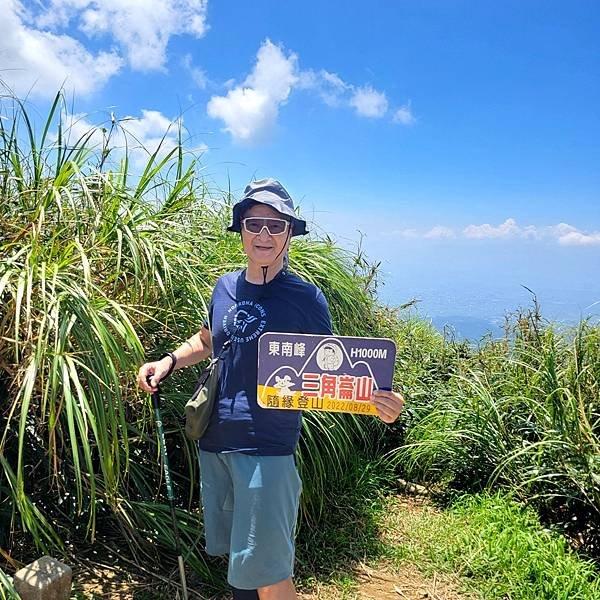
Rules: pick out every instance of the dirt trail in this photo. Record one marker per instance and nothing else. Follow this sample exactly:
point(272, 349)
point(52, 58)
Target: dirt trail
point(383, 584)
point(376, 580)
point(381, 581)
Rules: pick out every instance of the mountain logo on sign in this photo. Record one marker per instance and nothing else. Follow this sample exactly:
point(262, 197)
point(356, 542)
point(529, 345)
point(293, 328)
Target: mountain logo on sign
point(328, 355)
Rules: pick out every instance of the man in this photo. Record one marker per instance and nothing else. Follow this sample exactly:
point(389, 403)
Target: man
point(249, 483)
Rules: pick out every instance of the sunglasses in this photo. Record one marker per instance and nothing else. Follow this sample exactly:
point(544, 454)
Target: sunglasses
point(274, 226)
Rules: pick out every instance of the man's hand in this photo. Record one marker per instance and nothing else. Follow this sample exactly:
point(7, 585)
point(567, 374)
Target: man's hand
point(155, 371)
point(388, 404)
point(197, 348)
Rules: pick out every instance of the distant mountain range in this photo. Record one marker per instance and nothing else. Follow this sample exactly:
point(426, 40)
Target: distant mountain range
point(471, 314)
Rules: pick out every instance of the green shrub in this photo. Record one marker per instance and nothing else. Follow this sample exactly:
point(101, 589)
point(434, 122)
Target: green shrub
point(502, 546)
point(523, 414)
point(494, 548)
point(99, 271)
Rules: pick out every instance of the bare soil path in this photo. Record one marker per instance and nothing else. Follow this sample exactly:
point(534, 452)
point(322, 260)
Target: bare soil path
point(382, 580)
point(372, 579)
point(383, 583)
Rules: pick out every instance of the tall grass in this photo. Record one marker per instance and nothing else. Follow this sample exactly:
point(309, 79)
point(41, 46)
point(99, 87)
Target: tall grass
point(7, 591)
point(494, 547)
point(502, 545)
point(521, 413)
point(100, 271)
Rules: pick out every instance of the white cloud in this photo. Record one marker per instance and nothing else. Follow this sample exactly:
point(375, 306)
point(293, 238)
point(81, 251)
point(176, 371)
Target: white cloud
point(250, 110)
point(440, 231)
point(335, 92)
point(334, 81)
point(142, 28)
point(578, 238)
point(404, 116)
point(43, 62)
point(198, 75)
point(507, 229)
point(150, 131)
point(273, 72)
point(368, 102)
point(38, 54)
point(563, 233)
point(568, 235)
point(561, 229)
point(142, 136)
point(330, 87)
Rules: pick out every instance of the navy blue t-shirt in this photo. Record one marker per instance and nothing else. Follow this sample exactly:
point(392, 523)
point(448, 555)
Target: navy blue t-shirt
point(243, 311)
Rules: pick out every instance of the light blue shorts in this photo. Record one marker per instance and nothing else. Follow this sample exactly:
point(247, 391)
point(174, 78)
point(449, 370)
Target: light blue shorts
point(250, 506)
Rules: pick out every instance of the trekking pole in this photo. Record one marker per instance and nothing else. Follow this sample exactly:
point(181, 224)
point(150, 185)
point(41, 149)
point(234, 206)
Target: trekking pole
point(168, 481)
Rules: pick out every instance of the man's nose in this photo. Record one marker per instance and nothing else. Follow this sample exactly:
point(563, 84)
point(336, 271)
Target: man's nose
point(264, 233)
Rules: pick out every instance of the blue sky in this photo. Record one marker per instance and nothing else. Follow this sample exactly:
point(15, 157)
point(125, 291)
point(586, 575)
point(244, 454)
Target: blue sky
point(461, 138)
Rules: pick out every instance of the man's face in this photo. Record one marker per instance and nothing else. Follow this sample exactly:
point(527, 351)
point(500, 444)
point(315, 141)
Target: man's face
point(263, 248)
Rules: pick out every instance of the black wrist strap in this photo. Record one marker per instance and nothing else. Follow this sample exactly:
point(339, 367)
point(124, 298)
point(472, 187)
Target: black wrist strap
point(173, 362)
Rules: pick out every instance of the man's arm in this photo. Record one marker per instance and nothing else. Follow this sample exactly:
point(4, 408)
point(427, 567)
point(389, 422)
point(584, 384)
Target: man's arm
point(192, 351)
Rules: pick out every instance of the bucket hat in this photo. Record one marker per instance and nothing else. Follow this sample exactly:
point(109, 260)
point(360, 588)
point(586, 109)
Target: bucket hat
point(271, 193)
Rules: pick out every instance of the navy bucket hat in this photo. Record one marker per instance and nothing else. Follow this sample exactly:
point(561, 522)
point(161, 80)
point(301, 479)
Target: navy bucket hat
point(273, 194)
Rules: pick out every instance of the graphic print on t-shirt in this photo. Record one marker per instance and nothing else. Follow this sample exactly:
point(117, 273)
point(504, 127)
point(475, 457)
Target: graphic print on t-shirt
point(244, 321)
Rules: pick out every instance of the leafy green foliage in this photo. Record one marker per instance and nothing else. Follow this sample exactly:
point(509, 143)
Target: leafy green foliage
point(100, 271)
point(7, 591)
point(498, 549)
point(349, 527)
point(520, 413)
